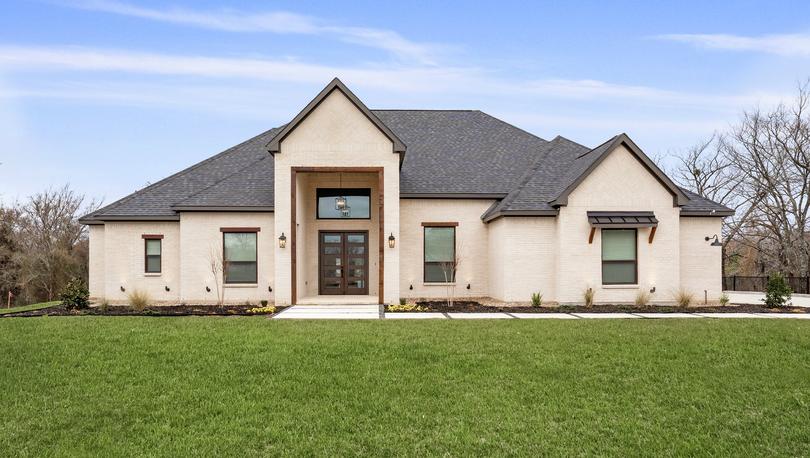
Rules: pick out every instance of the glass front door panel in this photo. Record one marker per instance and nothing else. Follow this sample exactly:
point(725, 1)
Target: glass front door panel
point(339, 249)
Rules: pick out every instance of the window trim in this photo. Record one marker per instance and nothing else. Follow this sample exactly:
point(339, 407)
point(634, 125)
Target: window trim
point(366, 192)
point(235, 230)
point(146, 239)
point(425, 226)
point(634, 261)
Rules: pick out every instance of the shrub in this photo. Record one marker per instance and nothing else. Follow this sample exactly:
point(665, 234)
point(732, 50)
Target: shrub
point(406, 308)
point(402, 301)
point(75, 295)
point(263, 310)
point(777, 292)
point(537, 299)
point(588, 296)
point(263, 302)
point(139, 300)
point(642, 298)
point(684, 298)
point(104, 305)
point(724, 299)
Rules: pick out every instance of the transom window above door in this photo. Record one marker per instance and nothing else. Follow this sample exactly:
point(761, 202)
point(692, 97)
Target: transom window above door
point(343, 203)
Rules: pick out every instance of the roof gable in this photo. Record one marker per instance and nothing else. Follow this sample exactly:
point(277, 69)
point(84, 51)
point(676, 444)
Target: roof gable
point(274, 146)
point(595, 157)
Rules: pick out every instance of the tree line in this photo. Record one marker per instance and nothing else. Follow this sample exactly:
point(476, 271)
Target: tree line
point(759, 167)
point(42, 245)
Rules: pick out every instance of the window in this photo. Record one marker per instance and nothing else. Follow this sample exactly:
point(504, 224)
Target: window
point(440, 254)
point(356, 203)
point(619, 263)
point(240, 257)
point(152, 251)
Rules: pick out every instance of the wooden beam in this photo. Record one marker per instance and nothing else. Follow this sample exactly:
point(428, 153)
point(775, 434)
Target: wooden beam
point(590, 237)
point(447, 224)
point(240, 229)
point(652, 234)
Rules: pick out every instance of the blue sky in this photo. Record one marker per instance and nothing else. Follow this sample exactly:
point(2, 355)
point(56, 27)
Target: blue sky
point(111, 95)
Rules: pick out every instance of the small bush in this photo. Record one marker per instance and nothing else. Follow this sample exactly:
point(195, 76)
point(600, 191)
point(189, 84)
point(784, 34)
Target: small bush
point(724, 299)
point(247, 304)
point(684, 298)
point(537, 299)
point(263, 310)
point(104, 305)
point(75, 295)
point(263, 302)
point(402, 301)
point(777, 292)
point(588, 296)
point(406, 308)
point(642, 298)
point(139, 300)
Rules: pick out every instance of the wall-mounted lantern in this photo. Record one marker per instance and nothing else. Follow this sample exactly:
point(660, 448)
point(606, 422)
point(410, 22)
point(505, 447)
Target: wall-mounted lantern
point(123, 290)
point(391, 241)
point(716, 240)
point(207, 289)
point(282, 241)
point(168, 289)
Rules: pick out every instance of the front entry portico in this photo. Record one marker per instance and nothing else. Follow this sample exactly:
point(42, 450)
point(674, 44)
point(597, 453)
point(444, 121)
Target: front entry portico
point(337, 256)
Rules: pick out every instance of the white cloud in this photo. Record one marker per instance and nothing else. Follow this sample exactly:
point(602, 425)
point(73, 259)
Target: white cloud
point(400, 79)
point(795, 45)
point(279, 22)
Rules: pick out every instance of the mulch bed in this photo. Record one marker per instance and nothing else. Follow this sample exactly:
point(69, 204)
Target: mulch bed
point(159, 310)
point(472, 306)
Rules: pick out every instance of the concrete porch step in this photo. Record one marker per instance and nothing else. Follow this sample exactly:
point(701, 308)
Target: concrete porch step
point(338, 300)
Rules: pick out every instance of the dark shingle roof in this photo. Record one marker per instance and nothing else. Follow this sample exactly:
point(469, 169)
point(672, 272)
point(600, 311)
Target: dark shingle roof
point(460, 151)
point(448, 152)
point(156, 200)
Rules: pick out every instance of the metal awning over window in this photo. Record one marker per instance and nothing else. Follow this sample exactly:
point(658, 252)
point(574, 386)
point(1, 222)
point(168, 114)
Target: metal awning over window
point(622, 220)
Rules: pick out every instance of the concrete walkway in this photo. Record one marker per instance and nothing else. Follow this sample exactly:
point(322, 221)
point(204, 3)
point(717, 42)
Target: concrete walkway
point(372, 312)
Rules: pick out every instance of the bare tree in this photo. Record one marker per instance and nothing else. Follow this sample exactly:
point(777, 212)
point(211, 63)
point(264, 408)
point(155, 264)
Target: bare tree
point(47, 235)
point(449, 270)
point(218, 268)
point(760, 168)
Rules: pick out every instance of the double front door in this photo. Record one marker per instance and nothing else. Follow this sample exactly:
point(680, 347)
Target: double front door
point(343, 262)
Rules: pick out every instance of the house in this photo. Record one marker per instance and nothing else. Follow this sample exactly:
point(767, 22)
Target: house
point(347, 204)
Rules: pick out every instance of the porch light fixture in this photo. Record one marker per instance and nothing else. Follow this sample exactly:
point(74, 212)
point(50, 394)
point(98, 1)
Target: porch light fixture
point(282, 241)
point(716, 241)
point(391, 241)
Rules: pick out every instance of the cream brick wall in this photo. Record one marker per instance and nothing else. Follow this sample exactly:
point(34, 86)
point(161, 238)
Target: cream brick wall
point(472, 243)
point(336, 133)
point(201, 236)
point(95, 282)
point(523, 258)
point(619, 183)
point(701, 263)
point(496, 267)
point(123, 263)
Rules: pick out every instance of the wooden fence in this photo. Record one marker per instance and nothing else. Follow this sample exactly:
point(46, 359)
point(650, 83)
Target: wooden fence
point(799, 285)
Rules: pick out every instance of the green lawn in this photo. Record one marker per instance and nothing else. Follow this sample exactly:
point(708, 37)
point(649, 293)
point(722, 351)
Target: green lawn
point(117, 386)
point(27, 308)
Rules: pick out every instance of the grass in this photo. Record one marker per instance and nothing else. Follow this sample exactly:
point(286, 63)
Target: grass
point(28, 308)
point(124, 386)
